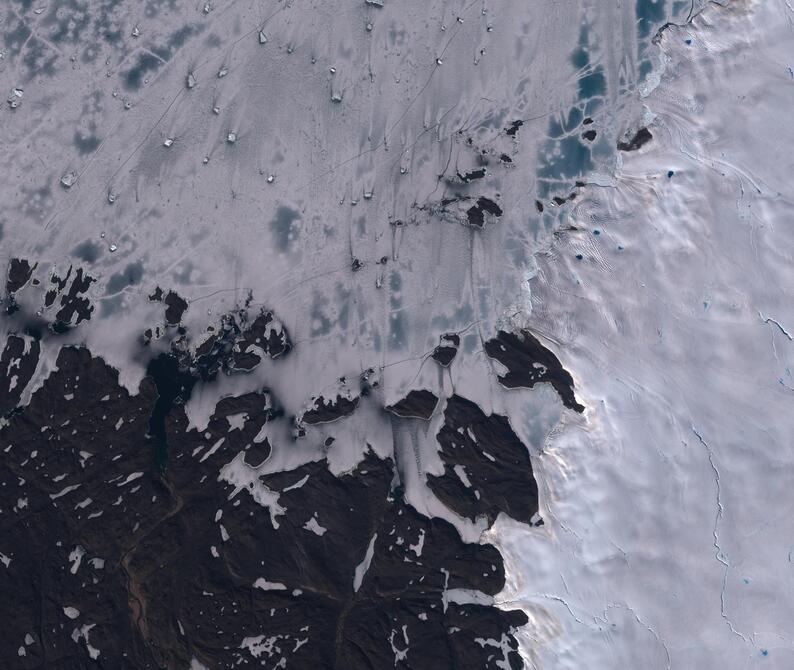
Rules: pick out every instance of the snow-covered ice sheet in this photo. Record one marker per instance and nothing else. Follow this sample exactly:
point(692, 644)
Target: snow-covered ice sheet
point(671, 534)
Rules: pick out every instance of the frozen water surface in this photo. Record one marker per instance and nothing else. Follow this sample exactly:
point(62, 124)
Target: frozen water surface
point(361, 179)
point(317, 198)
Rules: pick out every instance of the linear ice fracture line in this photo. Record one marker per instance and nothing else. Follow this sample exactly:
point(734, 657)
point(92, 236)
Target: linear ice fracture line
point(689, 19)
point(546, 596)
point(642, 623)
point(719, 555)
point(777, 323)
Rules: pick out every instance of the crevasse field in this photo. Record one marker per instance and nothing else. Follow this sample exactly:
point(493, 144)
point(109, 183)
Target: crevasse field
point(429, 334)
